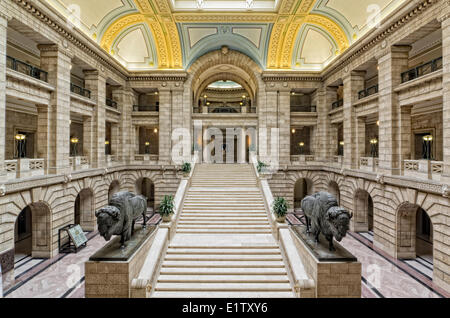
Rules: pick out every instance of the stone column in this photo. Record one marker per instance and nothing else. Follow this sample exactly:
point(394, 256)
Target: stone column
point(165, 126)
point(124, 150)
point(405, 135)
point(284, 124)
point(3, 36)
point(325, 145)
point(391, 63)
point(445, 21)
point(267, 120)
point(54, 128)
point(115, 142)
point(360, 139)
point(88, 138)
point(353, 83)
point(96, 83)
point(178, 120)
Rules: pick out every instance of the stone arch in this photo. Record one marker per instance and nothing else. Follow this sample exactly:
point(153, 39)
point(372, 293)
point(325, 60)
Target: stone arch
point(114, 187)
point(146, 187)
point(302, 188)
point(225, 61)
point(40, 230)
point(407, 227)
point(363, 210)
point(84, 210)
point(333, 188)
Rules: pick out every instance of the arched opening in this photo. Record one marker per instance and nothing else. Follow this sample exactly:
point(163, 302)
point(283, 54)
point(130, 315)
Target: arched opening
point(146, 187)
point(85, 210)
point(114, 187)
point(32, 233)
point(415, 239)
point(333, 188)
point(363, 212)
point(303, 188)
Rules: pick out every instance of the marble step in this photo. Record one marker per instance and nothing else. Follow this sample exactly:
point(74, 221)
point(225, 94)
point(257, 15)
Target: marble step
point(223, 231)
point(224, 251)
point(223, 227)
point(251, 279)
point(223, 271)
point(281, 287)
point(227, 223)
point(224, 264)
point(224, 257)
point(228, 294)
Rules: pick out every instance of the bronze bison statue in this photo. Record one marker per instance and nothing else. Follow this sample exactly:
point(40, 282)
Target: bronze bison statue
point(119, 217)
point(323, 215)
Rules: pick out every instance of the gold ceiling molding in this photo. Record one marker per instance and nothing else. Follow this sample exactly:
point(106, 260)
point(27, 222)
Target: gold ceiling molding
point(225, 17)
point(292, 15)
point(117, 27)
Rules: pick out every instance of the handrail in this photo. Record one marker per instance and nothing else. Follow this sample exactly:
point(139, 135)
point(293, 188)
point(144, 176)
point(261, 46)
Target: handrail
point(111, 103)
point(337, 104)
point(26, 69)
point(367, 92)
point(422, 70)
point(80, 90)
point(146, 108)
point(303, 109)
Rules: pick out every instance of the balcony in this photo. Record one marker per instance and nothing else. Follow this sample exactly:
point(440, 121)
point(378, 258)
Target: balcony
point(422, 70)
point(369, 164)
point(303, 109)
point(302, 159)
point(111, 160)
point(146, 158)
point(26, 69)
point(146, 108)
point(337, 104)
point(79, 163)
point(111, 103)
point(24, 168)
point(423, 169)
point(80, 91)
point(367, 92)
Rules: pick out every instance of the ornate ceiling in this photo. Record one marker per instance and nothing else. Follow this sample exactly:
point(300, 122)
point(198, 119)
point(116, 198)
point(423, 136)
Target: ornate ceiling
point(277, 34)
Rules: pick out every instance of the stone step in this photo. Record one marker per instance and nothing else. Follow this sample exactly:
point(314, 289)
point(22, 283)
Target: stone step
point(224, 226)
point(223, 264)
point(251, 279)
point(223, 271)
point(281, 287)
point(224, 231)
point(218, 222)
point(228, 294)
point(223, 251)
point(220, 258)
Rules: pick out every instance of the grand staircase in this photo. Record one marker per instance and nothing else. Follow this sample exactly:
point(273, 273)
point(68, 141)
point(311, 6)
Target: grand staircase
point(223, 246)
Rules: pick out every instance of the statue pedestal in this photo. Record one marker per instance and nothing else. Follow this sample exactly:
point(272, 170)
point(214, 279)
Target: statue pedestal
point(336, 274)
point(110, 270)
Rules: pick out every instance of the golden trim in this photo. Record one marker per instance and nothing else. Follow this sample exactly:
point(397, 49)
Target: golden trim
point(117, 27)
point(332, 28)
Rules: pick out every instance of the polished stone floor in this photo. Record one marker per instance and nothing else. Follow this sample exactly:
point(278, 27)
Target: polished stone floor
point(382, 276)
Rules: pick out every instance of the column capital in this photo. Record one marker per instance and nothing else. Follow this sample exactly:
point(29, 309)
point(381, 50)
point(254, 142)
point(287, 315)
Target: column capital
point(445, 14)
point(55, 48)
point(354, 74)
point(93, 74)
point(393, 49)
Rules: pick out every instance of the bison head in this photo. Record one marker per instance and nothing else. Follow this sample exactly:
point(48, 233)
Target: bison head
point(108, 219)
point(339, 220)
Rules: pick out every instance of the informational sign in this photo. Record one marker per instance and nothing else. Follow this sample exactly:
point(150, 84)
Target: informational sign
point(77, 235)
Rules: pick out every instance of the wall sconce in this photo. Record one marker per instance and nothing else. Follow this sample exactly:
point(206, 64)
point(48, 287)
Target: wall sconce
point(427, 147)
point(341, 148)
point(21, 140)
point(293, 131)
point(107, 143)
point(74, 141)
point(147, 147)
point(374, 148)
point(301, 145)
point(155, 130)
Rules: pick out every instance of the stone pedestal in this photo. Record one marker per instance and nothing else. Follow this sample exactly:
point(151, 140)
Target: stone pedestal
point(336, 274)
point(109, 272)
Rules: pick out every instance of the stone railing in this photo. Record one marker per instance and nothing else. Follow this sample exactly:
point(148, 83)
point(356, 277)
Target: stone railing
point(424, 169)
point(146, 158)
point(24, 168)
point(111, 160)
point(302, 159)
point(368, 164)
point(79, 163)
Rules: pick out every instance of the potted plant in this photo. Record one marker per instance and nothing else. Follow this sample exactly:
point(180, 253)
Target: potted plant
point(166, 208)
point(186, 168)
point(261, 166)
point(280, 208)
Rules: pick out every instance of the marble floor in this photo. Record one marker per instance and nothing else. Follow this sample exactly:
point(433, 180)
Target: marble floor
point(382, 276)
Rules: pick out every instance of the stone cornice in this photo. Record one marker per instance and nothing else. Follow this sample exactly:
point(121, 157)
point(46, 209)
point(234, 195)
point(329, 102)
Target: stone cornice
point(158, 76)
point(284, 76)
point(375, 37)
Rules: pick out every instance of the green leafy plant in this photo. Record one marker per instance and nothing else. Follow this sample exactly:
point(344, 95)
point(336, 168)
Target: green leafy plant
point(186, 167)
point(261, 166)
point(167, 206)
point(280, 207)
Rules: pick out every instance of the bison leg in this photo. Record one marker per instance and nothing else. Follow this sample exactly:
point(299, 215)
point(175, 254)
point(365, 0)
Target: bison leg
point(132, 228)
point(145, 218)
point(308, 225)
point(317, 234)
point(122, 241)
point(330, 244)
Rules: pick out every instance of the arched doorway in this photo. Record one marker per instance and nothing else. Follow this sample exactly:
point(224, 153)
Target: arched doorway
point(414, 233)
point(114, 187)
point(363, 212)
point(303, 188)
point(333, 188)
point(32, 233)
point(146, 187)
point(85, 210)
